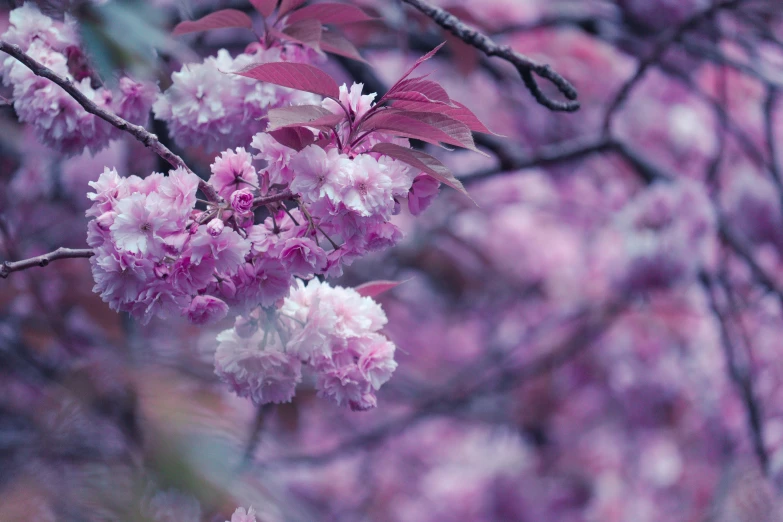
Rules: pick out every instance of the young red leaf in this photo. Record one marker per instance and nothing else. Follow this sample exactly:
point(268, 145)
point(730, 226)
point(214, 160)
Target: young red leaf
point(265, 7)
point(431, 127)
point(299, 76)
point(422, 161)
point(331, 13)
point(376, 288)
point(295, 138)
point(429, 89)
point(286, 6)
point(335, 43)
point(217, 20)
point(419, 98)
point(302, 116)
point(306, 32)
point(418, 62)
point(458, 112)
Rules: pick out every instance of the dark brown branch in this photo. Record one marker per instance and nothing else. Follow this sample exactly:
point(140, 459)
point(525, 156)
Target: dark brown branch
point(741, 377)
point(549, 155)
point(527, 67)
point(260, 201)
point(43, 260)
point(657, 53)
point(137, 131)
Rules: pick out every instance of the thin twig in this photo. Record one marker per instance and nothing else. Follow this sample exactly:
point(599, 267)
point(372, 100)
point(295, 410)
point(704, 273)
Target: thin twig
point(148, 139)
point(260, 201)
point(657, 53)
point(548, 155)
point(43, 260)
point(526, 66)
point(741, 377)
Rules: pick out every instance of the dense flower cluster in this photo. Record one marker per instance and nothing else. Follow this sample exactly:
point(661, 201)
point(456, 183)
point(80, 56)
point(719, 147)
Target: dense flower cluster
point(151, 255)
point(350, 193)
point(59, 121)
point(328, 332)
point(668, 234)
point(210, 108)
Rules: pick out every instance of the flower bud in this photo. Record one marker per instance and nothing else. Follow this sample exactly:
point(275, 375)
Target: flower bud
point(242, 201)
point(245, 327)
point(106, 219)
point(215, 227)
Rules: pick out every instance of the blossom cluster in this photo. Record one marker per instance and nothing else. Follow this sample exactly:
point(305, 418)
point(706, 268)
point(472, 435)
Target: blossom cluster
point(207, 107)
point(329, 333)
point(668, 235)
point(151, 255)
point(60, 121)
point(350, 194)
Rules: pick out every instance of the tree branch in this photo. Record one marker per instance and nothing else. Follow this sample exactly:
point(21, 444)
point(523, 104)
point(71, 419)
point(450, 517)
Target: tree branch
point(527, 67)
point(137, 131)
point(260, 201)
point(657, 53)
point(61, 253)
point(548, 155)
point(741, 377)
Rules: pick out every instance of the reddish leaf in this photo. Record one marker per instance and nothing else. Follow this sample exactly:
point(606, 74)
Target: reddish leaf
point(458, 112)
point(335, 43)
point(286, 6)
point(467, 117)
point(298, 76)
point(307, 32)
point(429, 89)
point(265, 7)
point(431, 127)
point(417, 97)
point(375, 288)
point(302, 116)
point(418, 62)
point(331, 13)
point(295, 138)
point(422, 161)
point(217, 20)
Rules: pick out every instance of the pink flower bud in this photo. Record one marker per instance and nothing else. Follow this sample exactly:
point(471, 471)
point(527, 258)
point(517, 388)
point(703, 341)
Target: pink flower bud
point(245, 327)
point(106, 219)
point(215, 227)
point(161, 271)
point(227, 288)
point(242, 201)
point(205, 309)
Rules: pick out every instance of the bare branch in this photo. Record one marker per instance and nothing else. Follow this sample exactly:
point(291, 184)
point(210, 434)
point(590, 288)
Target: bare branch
point(741, 377)
point(137, 131)
point(260, 201)
point(527, 67)
point(43, 260)
point(549, 155)
point(657, 53)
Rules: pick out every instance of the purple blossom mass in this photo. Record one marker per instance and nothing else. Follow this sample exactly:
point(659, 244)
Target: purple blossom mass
point(359, 260)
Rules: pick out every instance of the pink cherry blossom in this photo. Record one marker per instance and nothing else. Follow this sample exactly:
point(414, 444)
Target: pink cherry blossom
point(242, 200)
point(233, 170)
point(205, 309)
